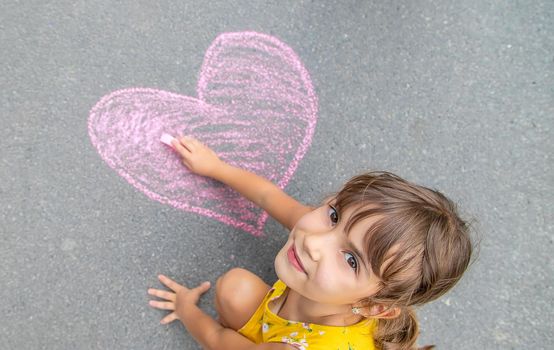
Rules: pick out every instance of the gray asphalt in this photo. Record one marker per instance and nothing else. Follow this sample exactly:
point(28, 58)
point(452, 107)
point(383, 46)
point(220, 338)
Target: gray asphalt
point(455, 95)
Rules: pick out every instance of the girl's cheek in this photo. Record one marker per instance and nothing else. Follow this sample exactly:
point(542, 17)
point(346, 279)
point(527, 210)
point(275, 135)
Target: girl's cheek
point(330, 276)
point(324, 281)
point(329, 288)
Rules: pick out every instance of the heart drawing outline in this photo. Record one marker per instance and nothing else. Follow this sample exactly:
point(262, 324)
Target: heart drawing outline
point(256, 108)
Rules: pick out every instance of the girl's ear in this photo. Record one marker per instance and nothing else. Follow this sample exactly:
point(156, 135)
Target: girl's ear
point(382, 311)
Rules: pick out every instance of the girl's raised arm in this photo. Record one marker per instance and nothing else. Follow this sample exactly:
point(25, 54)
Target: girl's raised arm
point(201, 160)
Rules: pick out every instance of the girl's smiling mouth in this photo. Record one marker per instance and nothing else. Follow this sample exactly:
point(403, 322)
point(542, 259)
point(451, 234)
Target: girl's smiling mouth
point(294, 260)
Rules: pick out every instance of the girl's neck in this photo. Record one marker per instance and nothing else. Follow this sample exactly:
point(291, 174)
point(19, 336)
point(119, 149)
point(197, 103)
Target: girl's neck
point(298, 308)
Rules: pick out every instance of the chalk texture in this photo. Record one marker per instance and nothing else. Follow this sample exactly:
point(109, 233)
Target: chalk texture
point(256, 109)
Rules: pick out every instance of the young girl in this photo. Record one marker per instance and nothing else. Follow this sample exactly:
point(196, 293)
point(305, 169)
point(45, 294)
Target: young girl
point(349, 274)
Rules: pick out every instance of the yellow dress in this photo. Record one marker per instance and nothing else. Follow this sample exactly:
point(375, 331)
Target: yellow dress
point(267, 327)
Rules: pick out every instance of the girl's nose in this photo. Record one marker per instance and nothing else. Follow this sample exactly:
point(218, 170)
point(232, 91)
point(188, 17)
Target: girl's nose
point(315, 244)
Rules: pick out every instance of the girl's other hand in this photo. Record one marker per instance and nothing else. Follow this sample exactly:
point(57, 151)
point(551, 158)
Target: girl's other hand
point(178, 300)
point(196, 156)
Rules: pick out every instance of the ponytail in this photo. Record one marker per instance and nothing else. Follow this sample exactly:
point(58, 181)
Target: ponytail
point(399, 333)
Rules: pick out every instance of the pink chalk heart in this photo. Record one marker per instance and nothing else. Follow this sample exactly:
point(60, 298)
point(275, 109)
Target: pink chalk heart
point(256, 109)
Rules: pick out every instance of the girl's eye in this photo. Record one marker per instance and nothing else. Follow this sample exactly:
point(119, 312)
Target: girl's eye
point(352, 261)
point(333, 214)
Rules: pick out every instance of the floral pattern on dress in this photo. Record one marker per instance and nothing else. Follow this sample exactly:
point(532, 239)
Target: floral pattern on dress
point(299, 343)
point(266, 326)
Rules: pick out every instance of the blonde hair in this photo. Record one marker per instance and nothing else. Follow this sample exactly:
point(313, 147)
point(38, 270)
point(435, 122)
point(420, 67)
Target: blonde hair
point(418, 247)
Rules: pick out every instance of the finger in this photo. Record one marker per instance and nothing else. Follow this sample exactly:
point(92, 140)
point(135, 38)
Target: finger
point(179, 147)
point(195, 142)
point(203, 287)
point(162, 305)
point(188, 142)
point(168, 282)
point(162, 294)
point(169, 318)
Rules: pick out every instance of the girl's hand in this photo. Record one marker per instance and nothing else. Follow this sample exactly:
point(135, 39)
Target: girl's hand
point(177, 301)
point(197, 157)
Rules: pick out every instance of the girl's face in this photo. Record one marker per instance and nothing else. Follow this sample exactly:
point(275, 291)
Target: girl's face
point(322, 263)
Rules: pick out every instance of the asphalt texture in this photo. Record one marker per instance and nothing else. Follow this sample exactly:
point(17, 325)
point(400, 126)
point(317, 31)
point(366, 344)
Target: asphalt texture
point(455, 95)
